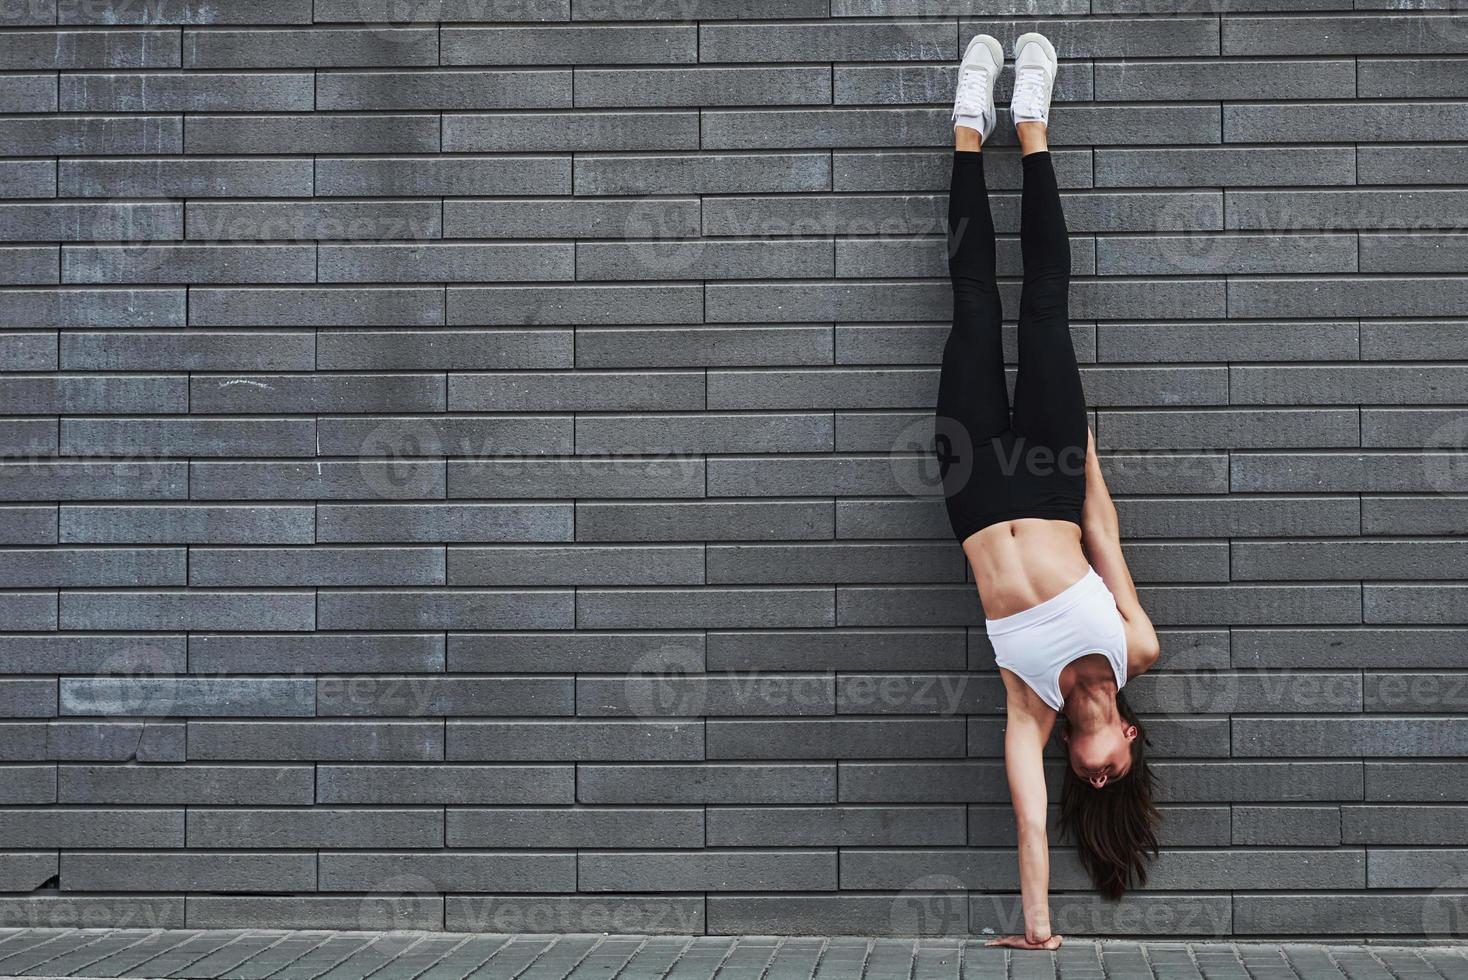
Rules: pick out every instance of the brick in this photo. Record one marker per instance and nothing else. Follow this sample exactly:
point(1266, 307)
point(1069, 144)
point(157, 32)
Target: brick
point(661, 217)
point(1362, 122)
point(212, 653)
point(318, 827)
point(54, 567)
point(570, 44)
point(1337, 209)
point(579, 304)
point(460, 89)
point(708, 607)
point(196, 870)
point(66, 480)
point(1259, 782)
point(1401, 825)
point(189, 437)
point(835, 825)
point(605, 476)
point(1179, 81)
point(575, 651)
point(90, 49)
point(1413, 252)
point(187, 610)
point(709, 346)
point(316, 912)
point(1404, 296)
point(1227, 428)
point(1367, 736)
point(1383, 384)
point(1253, 604)
point(348, 306)
point(187, 263)
point(574, 741)
point(463, 608)
point(316, 740)
point(1410, 515)
point(316, 392)
point(312, 47)
point(184, 177)
point(1122, 37)
point(194, 92)
point(331, 480)
point(1428, 604)
point(1374, 472)
point(1278, 340)
point(1392, 78)
point(702, 86)
point(451, 784)
point(31, 265)
point(52, 135)
point(579, 565)
point(696, 9)
point(1414, 781)
point(442, 349)
point(87, 222)
point(179, 784)
point(467, 522)
point(710, 870)
point(735, 129)
point(1363, 34)
point(234, 222)
point(1362, 559)
point(416, 696)
point(727, 259)
point(1223, 166)
point(28, 525)
point(529, 132)
point(444, 263)
point(432, 177)
point(1427, 164)
point(674, 915)
point(1291, 826)
point(1201, 254)
point(359, 11)
point(475, 871)
point(707, 783)
point(581, 827)
point(846, 738)
point(309, 133)
point(29, 93)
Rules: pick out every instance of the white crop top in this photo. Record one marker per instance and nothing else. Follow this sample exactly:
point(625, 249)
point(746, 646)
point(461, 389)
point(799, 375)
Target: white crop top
point(1036, 643)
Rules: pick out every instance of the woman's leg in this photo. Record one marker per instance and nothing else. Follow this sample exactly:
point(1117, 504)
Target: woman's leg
point(1049, 403)
point(973, 403)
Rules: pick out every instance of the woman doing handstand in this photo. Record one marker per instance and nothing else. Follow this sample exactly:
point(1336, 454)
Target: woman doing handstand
point(1026, 499)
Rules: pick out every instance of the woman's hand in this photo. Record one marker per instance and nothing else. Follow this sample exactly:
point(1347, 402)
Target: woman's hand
point(1036, 941)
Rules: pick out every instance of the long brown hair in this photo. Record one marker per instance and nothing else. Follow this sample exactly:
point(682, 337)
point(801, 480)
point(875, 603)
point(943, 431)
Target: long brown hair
point(1114, 827)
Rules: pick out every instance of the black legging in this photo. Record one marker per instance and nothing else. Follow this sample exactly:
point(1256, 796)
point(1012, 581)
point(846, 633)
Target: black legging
point(994, 469)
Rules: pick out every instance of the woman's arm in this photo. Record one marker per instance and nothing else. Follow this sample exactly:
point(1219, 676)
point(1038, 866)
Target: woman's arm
point(1101, 539)
point(1025, 734)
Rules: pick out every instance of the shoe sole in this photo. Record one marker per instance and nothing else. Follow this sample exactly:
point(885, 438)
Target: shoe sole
point(1043, 42)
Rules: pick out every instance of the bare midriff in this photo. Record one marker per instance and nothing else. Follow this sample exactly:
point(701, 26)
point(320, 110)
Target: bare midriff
point(1021, 563)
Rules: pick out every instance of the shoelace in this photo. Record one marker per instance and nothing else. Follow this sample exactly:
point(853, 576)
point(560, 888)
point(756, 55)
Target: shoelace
point(1029, 90)
point(973, 94)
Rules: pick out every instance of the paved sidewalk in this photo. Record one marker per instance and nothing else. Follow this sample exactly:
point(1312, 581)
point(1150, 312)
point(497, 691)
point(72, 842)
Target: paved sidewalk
point(260, 954)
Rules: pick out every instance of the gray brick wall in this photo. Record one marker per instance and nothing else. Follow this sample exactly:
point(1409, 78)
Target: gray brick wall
point(461, 462)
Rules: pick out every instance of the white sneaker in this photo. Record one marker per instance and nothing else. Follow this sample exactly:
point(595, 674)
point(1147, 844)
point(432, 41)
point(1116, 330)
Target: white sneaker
point(1034, 78)
point(978, 73)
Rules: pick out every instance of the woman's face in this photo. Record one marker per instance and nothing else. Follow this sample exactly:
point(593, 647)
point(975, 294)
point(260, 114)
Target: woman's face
point(1103, 755)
